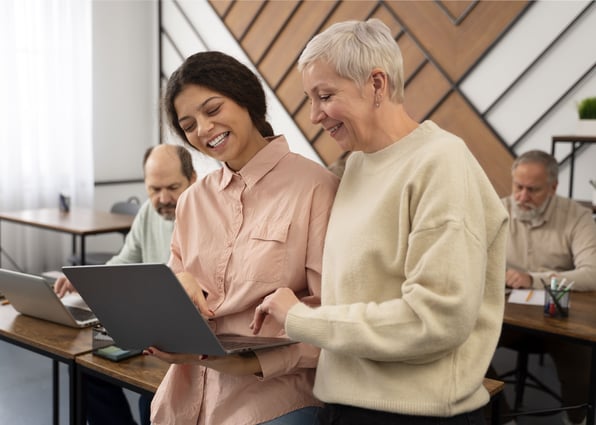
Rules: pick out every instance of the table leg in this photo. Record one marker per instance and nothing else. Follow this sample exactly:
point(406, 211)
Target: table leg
point(81, 399)
point(56, 391)
point(72, 394)
point(74, 247)
point(82, 249)
point(495, 409)
point(592, 391)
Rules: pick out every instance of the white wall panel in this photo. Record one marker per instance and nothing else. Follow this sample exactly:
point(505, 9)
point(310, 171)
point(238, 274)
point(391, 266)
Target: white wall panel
point(519, 47)
point(179, 30)
point(549, 79)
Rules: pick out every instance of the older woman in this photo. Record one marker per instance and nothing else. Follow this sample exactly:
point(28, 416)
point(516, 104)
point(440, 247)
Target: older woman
point(414, 259)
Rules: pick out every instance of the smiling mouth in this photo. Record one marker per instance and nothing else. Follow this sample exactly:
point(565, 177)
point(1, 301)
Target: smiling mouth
point(218, 140)
point(334, 129)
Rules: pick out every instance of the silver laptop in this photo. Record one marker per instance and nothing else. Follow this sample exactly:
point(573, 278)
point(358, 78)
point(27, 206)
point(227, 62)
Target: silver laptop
point(33, 296)
point(143, 305)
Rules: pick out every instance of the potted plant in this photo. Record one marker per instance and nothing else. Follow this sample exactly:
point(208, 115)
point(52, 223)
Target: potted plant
point(586, 111)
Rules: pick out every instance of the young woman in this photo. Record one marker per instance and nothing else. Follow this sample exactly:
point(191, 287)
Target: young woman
point(255, 225)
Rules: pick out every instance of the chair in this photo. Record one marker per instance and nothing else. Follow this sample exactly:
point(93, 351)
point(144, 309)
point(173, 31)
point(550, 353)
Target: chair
point(521, 376)
point(131, 207)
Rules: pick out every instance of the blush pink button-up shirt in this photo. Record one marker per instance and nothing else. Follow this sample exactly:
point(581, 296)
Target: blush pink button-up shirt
point(242, 235)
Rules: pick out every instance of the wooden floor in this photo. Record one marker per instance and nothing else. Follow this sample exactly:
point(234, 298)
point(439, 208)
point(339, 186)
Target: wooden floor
point(26, 391)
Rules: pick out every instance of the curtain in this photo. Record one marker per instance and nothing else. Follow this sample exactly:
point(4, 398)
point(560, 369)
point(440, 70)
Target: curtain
point(46, 125)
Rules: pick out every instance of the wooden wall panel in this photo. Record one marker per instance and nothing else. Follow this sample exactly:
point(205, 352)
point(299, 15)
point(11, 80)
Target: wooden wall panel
point(457, 116)
point(413, 57)
point(425, 91)
point(266, 26)
point(440, 40)
point(238, 18)
point(290, 42)
point(456, 45)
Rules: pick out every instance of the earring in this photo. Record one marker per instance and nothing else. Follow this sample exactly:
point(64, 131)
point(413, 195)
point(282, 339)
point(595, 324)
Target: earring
point(378, 101)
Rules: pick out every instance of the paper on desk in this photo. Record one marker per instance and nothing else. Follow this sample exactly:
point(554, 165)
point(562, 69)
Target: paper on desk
point(520, 296)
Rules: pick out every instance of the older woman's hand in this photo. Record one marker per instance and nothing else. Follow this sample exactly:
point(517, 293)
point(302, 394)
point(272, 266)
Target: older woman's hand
point(194, 291)
point(276, 305)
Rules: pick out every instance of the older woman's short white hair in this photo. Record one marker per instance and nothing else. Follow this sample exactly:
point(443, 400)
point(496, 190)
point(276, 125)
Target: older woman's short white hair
point(354, 48)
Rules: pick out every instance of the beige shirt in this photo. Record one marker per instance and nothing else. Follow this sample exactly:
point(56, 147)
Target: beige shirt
point(242, 235)
point(562, 242)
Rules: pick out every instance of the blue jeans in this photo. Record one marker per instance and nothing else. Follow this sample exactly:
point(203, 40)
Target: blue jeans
point(304, 416)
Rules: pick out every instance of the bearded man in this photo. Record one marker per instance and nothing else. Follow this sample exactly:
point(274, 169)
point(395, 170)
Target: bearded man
point(550, 235)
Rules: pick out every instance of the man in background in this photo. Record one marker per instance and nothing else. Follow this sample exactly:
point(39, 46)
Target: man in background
point(551, 235)
point(168, 171)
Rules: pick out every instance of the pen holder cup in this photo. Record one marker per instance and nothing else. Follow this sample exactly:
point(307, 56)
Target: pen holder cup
point(559, 307)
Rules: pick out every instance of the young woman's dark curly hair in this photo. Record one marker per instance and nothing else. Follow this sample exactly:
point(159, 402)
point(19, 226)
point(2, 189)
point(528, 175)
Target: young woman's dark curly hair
point(225, 75)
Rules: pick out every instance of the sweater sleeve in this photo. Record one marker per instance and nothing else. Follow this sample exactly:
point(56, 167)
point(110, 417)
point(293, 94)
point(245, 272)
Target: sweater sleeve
point(436, 313)
point(425, 299)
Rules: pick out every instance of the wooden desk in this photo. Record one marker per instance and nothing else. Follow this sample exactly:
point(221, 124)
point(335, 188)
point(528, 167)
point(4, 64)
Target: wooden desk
point(60, 343)
point(579, 328)
point(79, 222)
point(141, 374)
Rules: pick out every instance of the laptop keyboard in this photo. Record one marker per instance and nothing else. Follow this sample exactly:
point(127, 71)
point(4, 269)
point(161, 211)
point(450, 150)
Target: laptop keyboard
point(80, 314)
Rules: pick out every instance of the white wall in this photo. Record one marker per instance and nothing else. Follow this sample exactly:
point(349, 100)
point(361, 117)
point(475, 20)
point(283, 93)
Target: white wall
point(125, 86)
point(125, 100)
point(547, 80)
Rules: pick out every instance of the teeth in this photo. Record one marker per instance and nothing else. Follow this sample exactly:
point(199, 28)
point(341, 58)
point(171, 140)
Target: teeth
point(334, 128)
point(217, 141)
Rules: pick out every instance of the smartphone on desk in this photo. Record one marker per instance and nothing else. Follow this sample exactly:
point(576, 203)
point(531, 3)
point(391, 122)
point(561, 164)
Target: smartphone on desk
point(115, 353)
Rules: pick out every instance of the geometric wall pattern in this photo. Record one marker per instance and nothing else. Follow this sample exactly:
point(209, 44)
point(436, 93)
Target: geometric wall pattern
point(440, 41)
point(446, 47)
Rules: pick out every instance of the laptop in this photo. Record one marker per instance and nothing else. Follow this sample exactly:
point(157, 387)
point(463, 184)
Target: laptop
point(143, 305)
point(33, 296)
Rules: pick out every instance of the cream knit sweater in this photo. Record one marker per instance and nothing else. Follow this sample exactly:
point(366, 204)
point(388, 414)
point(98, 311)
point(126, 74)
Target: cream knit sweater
point(413, 280)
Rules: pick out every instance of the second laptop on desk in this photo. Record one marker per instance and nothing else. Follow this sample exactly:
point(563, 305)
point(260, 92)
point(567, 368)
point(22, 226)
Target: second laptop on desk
point(33, 296)
point(143, 305)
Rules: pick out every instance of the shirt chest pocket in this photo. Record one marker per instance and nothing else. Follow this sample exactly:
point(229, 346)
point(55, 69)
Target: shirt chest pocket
point(267, 252)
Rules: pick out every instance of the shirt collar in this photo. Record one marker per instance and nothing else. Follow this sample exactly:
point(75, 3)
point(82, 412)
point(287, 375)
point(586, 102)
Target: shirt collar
point(259, 165)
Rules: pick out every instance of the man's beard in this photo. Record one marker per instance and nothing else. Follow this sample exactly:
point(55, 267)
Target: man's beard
point(167, 211)
point(530, 215)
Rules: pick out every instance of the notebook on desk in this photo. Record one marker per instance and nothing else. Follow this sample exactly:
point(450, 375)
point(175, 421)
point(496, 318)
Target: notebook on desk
point(33, 296)
point(143, 305)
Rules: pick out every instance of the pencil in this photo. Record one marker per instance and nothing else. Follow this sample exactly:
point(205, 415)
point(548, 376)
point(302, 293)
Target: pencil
point(529, 297)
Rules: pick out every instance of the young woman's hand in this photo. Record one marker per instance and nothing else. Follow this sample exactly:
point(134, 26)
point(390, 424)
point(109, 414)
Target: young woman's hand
point(194, 291)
